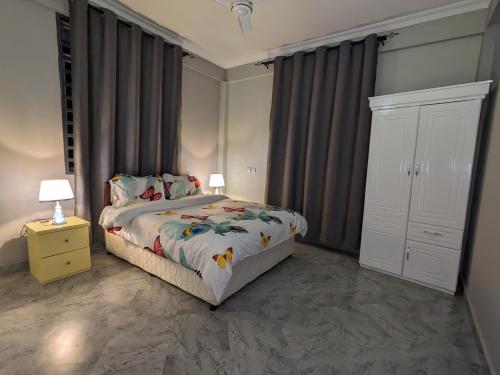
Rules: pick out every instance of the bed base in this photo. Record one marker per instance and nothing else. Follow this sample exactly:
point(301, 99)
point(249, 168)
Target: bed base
point(243, 273)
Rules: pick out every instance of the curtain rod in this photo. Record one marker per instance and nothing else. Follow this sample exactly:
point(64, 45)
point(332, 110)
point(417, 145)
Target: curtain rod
point(381, 39)
point(129, 25)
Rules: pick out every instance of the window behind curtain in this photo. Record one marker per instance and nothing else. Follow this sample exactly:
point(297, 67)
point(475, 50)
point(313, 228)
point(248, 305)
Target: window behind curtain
point(64, 46)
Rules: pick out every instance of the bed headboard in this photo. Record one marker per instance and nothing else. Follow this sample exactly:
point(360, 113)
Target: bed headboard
point(106, 190)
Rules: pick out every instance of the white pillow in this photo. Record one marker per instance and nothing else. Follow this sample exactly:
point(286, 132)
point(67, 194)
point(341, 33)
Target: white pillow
point(126, 189)
point(181, 186)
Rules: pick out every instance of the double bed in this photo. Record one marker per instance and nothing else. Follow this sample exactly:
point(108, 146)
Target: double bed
point(207, 245)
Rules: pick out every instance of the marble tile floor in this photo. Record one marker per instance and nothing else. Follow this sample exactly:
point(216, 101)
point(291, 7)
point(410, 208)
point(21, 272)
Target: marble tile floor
point(315, 313)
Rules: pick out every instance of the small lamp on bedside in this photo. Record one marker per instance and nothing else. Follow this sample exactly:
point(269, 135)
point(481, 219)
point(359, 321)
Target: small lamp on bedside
point(55, 191)
point(216, 181)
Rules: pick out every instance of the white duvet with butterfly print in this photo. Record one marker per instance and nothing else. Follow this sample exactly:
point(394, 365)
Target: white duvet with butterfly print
point(207, 234)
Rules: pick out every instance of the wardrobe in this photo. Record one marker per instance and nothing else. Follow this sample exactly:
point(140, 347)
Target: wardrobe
point(422, 151)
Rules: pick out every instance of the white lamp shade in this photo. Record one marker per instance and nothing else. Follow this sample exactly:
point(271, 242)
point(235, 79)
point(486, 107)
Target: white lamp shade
point(216, 180)
point(55, 190)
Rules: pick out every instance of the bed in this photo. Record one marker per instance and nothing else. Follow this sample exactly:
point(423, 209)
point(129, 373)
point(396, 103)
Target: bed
point(207, 245)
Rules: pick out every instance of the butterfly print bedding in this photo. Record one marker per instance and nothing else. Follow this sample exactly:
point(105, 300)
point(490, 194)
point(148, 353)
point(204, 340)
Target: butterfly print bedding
point(207, 234)
point(157, 248)
point(239, 209)
point(223, 259)
point(149, 194)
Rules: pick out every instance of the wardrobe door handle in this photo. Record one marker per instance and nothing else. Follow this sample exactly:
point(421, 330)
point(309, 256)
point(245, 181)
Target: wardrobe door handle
point(417, 169)
point(409, 167)
point(408, 253)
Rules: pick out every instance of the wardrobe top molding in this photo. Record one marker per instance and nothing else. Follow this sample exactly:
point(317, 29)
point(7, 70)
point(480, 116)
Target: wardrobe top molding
point(455, 93)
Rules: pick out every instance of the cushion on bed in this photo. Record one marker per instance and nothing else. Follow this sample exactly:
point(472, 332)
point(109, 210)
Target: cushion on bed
point(180, 186)
point(126, 189)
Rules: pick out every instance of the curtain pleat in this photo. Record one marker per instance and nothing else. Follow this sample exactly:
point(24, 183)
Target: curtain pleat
point(80, 93)
point(339, 150)
point(172, 83)
point(127, 90)
point(102, 82)
point(126, 97)
point(277, 134)
point(325, 76)
point(358, 180)
point(150, 101)
point(319, 134)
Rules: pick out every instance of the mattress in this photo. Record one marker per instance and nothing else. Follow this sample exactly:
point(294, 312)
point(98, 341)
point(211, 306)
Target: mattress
point(244, 272)
point(208, 235)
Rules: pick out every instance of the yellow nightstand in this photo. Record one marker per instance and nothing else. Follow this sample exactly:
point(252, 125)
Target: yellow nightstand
point(58, 251)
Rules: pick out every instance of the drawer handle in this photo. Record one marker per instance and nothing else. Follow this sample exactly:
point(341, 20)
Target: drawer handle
point(66, 240)
point(432, 233)
point(68, 262)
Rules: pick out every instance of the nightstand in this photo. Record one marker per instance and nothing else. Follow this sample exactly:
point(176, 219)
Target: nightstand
point(58, 251)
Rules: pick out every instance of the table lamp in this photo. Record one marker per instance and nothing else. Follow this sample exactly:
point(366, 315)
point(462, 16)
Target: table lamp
point(55, 191)
point(216, 181)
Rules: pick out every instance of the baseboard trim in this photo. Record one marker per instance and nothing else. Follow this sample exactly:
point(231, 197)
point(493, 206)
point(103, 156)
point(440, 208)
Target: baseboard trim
point(478, 333)
point(407, 279)
point(14, 267)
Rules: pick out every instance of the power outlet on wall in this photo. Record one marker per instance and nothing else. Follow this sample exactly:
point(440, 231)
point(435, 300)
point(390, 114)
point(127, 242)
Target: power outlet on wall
point(251, 170)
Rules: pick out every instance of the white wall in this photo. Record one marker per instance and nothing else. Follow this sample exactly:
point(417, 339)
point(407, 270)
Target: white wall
point(482, 282)
point(200, 124)
point(31, 140)
point(247, 138)
point(480, 273)
point(437, 53)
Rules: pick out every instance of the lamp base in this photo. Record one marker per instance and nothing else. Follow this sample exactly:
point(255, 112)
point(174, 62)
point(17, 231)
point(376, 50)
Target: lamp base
point(216, 191)
point(58, 218)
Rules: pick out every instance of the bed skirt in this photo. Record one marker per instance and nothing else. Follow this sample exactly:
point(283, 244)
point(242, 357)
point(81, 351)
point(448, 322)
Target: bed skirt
point(244, 272)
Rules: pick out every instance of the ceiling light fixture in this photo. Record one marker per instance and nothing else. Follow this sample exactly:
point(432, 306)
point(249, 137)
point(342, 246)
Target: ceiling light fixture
point(242, 10)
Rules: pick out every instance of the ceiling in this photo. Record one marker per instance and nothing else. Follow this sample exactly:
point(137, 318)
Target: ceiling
point(211, 27)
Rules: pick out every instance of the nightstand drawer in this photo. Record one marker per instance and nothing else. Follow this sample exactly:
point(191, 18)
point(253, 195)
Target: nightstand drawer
point(58, 251)
point(62, 265)
point(59, 242)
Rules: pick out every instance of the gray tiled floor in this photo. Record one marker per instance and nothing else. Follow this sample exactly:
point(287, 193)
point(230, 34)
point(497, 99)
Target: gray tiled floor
point(315, 313)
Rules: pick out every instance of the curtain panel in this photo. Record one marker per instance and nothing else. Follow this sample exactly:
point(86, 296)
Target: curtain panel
point(319, 139)
point(126, 104)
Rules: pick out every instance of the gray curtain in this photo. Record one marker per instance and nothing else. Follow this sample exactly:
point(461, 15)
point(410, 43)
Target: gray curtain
point(126, 104)
point(319, 139)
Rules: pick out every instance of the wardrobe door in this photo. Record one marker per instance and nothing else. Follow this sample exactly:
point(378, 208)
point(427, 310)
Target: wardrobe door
point(433, 265)
point(392, 148)
point(443, 161)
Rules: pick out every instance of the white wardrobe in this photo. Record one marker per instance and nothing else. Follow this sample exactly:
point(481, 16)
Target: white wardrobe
point(422, 149)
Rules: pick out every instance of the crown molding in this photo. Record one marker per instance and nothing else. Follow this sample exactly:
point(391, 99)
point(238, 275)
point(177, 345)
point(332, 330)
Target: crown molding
point(466, 91)
point(170, 36)
point(395, 23)
point(153, 27)
point(60, 6)
point(427, 15)
point(128, 14)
